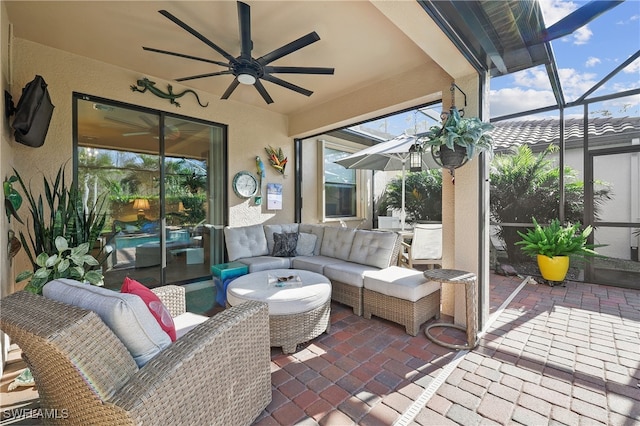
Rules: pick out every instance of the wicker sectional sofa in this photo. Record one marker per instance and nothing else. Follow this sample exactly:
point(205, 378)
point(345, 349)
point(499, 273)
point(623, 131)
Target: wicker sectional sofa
point(341, 254)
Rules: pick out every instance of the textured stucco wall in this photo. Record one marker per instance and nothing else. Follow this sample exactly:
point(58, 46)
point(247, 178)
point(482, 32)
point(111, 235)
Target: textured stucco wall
point(250, 129)
point(460, 210)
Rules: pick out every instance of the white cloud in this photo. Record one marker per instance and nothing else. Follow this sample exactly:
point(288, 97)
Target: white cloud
point(555, 10)
point(633, 67)
point(582, 35)
point(592, 61)
point(513, 100)
point(574, 83)
point(534, 78)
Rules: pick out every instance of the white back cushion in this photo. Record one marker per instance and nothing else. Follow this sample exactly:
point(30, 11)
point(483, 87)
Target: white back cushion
point(373, 248)
point(337, 242)
point(125, 314)
point(318, 231)
point(245, 241)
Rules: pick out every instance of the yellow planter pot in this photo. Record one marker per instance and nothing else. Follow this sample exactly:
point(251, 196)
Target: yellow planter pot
point(553, 268)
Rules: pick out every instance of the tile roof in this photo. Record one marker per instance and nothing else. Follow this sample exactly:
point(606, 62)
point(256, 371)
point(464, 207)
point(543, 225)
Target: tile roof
point(540, 133)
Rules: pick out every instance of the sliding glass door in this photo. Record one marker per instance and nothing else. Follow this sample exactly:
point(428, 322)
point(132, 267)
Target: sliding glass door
point(155, 175)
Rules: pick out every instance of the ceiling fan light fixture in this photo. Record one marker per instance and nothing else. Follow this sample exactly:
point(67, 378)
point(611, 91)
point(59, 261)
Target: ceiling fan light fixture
point(247, 79)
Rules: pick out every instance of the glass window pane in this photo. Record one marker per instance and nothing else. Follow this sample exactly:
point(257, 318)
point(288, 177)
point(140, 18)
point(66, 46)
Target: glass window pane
point(334, 172)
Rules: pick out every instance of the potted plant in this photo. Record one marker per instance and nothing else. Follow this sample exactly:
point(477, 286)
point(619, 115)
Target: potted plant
point(458, 140)
point(553, 244)
point(68, 262)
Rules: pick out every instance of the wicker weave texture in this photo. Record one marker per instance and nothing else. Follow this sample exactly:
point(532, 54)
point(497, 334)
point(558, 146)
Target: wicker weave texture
point(290, 330)
point(347, 294)
point(410, 314)
point(218, 373)
point(74, 357)
point(173, 298)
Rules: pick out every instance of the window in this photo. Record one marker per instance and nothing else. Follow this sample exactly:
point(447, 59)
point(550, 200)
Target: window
point(341, 193)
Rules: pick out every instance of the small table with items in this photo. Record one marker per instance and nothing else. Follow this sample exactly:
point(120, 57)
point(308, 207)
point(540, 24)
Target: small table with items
point(453, 276)
point(299, 303)
point(223, 274)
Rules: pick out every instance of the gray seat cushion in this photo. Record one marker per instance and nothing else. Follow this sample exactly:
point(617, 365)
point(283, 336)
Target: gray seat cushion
point(262, 263)
point(313, 263)
point(348, 273)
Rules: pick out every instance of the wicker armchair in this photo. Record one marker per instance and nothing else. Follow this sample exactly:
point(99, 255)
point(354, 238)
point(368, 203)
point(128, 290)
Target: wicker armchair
point(218, 373)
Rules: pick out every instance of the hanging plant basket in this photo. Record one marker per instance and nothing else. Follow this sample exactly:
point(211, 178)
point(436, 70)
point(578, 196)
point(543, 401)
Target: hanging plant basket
point(450, 158)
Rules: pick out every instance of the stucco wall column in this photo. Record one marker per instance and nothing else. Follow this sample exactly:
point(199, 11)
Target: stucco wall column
point(460, 210)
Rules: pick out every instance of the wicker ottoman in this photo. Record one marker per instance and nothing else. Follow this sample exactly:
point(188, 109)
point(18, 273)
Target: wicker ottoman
point(298, 309)
point(401, 295)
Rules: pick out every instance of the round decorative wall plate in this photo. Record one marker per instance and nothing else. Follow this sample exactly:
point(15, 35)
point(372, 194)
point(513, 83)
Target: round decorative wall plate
point(245, 185)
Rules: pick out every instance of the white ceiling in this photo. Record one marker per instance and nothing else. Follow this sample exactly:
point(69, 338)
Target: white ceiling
point(366, 42)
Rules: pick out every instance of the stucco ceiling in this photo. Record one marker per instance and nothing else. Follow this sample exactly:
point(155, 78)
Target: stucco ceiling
point(366, 42)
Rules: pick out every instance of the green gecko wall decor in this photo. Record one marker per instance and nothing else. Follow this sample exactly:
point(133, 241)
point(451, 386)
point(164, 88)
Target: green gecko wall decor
point(146, 84)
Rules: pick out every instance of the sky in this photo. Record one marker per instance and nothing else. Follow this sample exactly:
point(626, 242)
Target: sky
point(583, 59)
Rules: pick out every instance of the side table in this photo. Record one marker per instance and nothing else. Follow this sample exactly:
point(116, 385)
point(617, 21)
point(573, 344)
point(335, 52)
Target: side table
point(223, 274)
point(453, 276)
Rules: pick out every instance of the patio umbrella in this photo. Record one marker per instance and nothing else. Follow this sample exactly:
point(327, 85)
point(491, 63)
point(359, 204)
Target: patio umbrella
point(390, 155)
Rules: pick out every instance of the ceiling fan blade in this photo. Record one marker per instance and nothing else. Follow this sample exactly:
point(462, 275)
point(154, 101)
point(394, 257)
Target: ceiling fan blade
point(244, 21)
point(230, 89)
point(148, 121)
point(135, 134)
point(298, 70)
point(210, 74)
point(263, 92)
point(286, 84)
point(125, 122)
point(289, 48)
point(578, 18)
point(197, 35)
point(182, 55)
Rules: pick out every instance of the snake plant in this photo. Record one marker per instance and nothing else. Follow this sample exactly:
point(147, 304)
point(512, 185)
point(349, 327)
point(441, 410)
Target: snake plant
point(556, 240)
point(60, 214)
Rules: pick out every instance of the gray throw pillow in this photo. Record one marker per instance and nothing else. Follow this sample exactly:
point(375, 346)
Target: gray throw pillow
point(284, 244)
point(306, 244)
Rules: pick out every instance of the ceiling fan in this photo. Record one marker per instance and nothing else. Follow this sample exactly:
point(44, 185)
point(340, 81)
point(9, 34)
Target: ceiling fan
point(151, 127)
point(246, 69)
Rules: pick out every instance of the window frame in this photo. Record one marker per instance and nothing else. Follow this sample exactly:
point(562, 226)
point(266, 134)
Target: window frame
point(361, 179)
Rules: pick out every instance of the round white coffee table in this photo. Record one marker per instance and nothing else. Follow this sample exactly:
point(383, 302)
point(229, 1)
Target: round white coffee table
point(299, 303)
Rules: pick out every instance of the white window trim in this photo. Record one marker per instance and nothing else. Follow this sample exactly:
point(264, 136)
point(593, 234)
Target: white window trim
point(362, 176)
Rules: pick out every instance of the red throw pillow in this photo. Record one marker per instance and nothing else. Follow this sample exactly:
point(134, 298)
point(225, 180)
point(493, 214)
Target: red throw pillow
point(153, 302)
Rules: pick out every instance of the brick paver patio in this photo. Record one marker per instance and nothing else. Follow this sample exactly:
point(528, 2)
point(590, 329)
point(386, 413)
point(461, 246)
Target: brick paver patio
point(562, 355)
point(555, 355)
